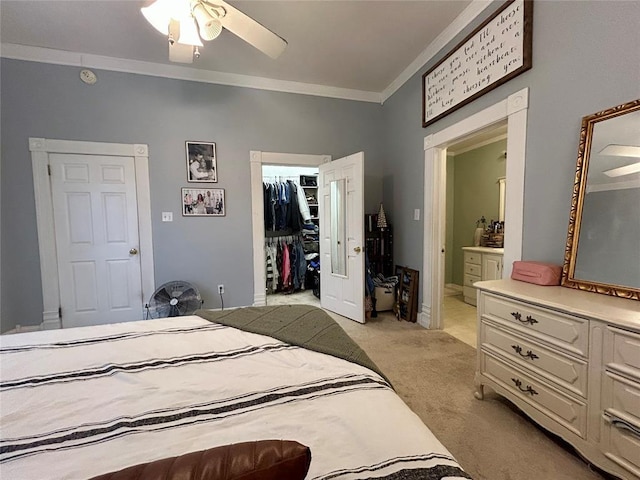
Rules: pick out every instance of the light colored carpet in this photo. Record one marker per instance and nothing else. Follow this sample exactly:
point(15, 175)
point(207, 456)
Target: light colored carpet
point(433, 373)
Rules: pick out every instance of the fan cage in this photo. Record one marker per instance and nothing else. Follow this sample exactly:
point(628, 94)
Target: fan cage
point(174, 299)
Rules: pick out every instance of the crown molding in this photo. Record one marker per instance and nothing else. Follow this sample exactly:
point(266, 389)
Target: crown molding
point(448, 34)
point(76, 59)
point(60, 57)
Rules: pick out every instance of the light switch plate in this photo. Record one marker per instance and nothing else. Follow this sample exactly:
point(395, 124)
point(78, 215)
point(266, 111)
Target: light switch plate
point(167, 216)
point(416, 214)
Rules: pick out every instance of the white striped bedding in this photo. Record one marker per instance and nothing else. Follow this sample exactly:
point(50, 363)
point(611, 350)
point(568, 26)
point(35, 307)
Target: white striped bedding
point(79, 402)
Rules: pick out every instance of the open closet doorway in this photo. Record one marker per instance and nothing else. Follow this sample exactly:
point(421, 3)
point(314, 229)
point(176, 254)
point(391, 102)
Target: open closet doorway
point(292, 242)
point(264, 165)
point(474, 224)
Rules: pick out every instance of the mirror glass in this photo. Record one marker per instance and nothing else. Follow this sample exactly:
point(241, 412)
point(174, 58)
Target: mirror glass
point(502, 185)
point(603, 243)
point(338, 228)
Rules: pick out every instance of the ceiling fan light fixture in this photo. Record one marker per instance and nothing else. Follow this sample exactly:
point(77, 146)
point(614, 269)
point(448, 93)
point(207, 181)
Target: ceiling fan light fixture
point(212, 30)
point(210, 26)
point(158, 15)
point(189, 33)
point(181, 20)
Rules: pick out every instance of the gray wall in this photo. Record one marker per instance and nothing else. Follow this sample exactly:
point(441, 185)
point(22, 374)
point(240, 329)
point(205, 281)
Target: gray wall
point(42, 100)
point(585, 59)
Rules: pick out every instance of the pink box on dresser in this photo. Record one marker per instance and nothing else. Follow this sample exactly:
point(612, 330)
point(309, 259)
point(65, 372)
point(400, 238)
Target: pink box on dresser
point(539, 273)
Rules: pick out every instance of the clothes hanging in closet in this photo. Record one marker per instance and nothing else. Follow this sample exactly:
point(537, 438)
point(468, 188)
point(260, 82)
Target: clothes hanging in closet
point(285, 265)
point(282, 207)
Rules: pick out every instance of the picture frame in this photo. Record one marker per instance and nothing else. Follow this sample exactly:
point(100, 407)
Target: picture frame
point(203, 202)
point(494, 53)
point(201, 162)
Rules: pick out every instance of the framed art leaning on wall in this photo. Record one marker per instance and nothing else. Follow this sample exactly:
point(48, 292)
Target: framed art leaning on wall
point(203, 202)
point(201, 162)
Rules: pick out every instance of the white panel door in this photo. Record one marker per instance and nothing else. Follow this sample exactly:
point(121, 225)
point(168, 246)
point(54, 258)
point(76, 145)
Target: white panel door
point(343, 294)
point(96, 228)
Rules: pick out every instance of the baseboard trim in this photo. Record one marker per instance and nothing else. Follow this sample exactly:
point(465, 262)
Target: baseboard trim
point(23, 329)
point(454, 286)
point(424, 317)
point(51, 324)
point(259, 299)
point(51, 320)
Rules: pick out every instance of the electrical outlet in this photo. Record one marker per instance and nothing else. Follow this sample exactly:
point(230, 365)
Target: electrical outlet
point(221, 289)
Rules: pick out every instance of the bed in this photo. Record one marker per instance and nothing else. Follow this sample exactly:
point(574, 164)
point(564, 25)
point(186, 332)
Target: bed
point(80, 402)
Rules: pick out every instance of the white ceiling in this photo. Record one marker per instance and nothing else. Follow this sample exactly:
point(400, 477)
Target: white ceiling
point(365, 46)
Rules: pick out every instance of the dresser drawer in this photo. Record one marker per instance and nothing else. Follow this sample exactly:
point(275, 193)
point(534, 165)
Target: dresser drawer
point(622, 352)
point(621, 398)
point(473, 257)
point(564, 331)
point(473, 269)
point(570, 413)
point(622, 446)
point(567, 372)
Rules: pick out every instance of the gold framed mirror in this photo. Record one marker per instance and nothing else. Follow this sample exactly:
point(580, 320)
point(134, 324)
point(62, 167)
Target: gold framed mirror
point(602, 253)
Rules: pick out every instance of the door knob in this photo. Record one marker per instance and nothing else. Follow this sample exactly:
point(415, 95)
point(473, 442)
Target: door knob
point(357, 249)
point(133, 251)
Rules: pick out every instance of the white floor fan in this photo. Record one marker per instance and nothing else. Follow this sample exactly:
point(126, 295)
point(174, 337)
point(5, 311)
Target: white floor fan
point(187, 22)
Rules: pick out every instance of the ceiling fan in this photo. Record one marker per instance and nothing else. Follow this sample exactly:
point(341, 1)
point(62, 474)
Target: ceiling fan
point(187, 22)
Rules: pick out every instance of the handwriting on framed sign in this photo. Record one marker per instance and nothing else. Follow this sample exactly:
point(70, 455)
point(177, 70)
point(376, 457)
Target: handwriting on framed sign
point(491, 55)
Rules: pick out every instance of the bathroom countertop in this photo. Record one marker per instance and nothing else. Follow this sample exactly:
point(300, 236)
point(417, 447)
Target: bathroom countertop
point(484, 250)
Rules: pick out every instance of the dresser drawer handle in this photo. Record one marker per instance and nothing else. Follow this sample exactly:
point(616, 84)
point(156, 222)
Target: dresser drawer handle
point(518, 316)
point(526, 390)
point(529, 353)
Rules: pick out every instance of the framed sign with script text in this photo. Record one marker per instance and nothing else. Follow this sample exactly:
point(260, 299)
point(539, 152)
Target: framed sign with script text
point(491, 55)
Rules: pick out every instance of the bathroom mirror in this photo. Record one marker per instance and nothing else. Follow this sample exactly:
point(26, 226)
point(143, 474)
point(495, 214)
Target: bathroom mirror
point(338, 227)
point(502, 186)
point(602, 252)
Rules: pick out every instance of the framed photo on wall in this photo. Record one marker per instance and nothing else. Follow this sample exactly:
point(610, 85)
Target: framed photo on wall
point(203, 202)
point(201, 162)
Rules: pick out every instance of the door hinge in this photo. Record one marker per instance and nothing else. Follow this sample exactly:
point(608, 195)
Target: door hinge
point(49, 169)
point(59, 312)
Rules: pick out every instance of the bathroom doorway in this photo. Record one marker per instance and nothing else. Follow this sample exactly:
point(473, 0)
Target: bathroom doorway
point(475, 172)
point(514, 110)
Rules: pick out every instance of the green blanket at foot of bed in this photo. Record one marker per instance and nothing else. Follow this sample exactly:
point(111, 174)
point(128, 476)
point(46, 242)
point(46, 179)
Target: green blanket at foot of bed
point(303, 325)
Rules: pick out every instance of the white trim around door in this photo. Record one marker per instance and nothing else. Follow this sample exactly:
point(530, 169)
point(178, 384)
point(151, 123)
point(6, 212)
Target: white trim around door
point(40, 149)
point(257, 159)
point(514, 110)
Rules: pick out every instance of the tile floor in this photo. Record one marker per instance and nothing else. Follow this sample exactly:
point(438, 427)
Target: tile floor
point(460, 319)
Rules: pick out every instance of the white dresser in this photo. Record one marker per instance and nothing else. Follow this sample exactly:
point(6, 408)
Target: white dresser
point(480, 263)
point(568, 359)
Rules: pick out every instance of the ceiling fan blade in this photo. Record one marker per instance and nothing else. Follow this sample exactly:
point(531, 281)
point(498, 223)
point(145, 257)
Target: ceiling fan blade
point(178, 52)
point(251, 31)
